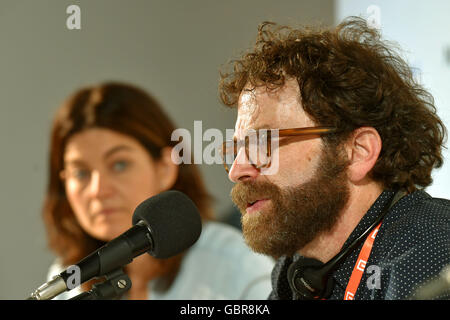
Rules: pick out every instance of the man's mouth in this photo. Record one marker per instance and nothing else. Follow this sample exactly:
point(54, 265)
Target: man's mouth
point(255, 205)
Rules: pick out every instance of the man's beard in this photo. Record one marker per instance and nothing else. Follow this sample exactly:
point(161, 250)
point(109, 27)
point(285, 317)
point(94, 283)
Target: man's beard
point(295, 215)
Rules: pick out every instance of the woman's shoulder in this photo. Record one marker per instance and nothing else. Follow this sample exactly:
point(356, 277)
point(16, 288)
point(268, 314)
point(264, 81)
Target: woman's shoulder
point(221, 266)
point(227, 242)
point(219, 236)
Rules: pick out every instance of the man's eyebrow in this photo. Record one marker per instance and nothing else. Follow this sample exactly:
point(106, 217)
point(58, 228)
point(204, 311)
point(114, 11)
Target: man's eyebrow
point(262, 126)
point(256, 128)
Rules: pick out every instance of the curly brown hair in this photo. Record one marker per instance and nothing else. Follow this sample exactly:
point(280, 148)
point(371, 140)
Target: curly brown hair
point(349, 78)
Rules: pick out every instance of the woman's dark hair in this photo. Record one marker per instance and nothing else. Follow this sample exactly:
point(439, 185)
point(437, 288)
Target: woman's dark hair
point(125, 109)
point(349, 78)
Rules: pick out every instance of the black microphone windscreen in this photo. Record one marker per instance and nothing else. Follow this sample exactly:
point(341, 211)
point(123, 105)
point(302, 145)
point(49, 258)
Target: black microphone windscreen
point(174, 221)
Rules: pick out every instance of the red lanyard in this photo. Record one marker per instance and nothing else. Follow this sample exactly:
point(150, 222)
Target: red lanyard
point(360, 265)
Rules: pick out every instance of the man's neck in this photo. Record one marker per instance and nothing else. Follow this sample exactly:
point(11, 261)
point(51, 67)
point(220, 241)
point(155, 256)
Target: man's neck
point(325, 246)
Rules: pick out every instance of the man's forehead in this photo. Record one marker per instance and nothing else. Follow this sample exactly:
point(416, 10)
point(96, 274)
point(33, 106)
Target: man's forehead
point(249, 111)
point(259, 108)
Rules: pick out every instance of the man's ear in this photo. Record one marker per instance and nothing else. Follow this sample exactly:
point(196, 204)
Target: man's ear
point(167, 170)
point(363, 148)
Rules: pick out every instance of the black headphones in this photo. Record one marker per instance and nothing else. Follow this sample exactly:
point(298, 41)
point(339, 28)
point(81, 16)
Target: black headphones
point(310, 279)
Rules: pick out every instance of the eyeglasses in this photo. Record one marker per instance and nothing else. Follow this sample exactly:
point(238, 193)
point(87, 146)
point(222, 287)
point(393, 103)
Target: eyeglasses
point(259, 144)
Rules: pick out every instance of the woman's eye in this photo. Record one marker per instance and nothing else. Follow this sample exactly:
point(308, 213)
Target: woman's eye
point(80, 174)
point(120, 166)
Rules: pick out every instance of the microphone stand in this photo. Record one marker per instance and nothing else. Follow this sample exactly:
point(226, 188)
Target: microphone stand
point(115, 285)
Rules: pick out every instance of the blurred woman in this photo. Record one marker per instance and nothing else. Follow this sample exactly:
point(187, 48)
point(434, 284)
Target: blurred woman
point(110, 150)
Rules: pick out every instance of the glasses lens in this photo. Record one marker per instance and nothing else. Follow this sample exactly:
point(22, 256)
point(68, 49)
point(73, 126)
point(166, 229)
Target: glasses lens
point(257, 149)
point(264, 147)
point(229, 152)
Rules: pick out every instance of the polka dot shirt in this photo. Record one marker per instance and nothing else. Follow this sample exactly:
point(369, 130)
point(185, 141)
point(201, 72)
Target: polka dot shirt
point(411, 249)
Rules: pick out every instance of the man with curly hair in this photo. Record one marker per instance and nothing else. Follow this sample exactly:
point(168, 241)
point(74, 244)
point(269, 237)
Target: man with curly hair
point(358, 138)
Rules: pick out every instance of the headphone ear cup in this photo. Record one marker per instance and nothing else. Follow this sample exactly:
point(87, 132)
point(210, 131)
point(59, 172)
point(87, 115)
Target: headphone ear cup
point(307, 279)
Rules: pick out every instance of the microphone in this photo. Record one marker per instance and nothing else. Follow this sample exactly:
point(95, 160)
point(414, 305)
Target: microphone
point(164, 225)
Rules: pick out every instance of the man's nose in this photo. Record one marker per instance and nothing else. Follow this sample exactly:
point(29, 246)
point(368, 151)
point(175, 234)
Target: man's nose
point(242, 169)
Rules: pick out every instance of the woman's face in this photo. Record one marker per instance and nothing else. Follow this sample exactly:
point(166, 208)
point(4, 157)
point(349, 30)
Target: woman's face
point(107, 174)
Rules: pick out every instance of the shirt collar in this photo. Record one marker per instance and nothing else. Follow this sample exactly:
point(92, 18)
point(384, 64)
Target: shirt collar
point(344, 270)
